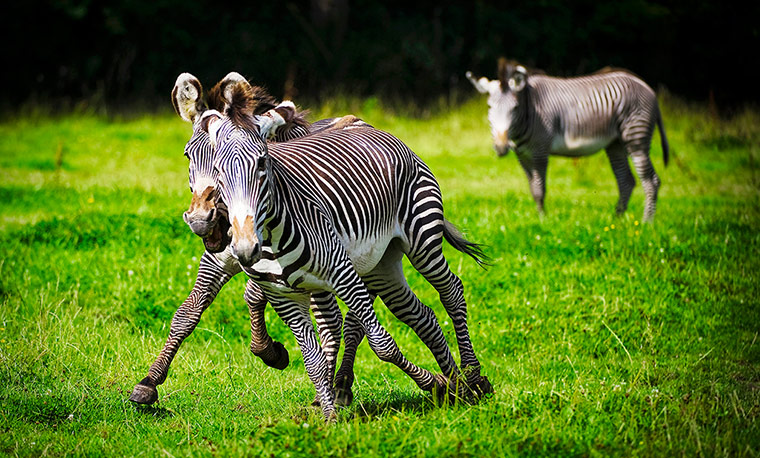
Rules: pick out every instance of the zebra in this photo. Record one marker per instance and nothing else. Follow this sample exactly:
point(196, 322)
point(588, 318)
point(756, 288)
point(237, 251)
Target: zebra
point(538, 115)
point(336, 212)
point(216, 265)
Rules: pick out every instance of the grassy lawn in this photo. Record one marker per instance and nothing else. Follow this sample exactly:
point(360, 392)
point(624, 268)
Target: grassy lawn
point(602, 336)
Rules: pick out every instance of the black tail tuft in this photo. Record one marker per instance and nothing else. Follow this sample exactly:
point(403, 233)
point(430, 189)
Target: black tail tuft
point(457, 240)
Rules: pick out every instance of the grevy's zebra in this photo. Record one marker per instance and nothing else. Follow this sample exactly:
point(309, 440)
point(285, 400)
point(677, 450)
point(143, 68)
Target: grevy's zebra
point(217, 265)
point(539, 115)
point(324, 212)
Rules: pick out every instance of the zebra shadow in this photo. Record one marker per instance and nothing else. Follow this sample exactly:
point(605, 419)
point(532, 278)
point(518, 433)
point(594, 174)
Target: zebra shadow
point(153, 411)
point(372, 408)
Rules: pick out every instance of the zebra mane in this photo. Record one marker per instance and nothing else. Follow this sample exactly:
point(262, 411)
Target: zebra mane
point(609, 69)
point(245, 101)
point(506, 68)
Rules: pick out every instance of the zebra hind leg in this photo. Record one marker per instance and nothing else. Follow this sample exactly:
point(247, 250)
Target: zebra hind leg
point(622, 170)
point(649, 181)
point(354, 293)
point(432, 265)
point(272, 353)
point(387, 281)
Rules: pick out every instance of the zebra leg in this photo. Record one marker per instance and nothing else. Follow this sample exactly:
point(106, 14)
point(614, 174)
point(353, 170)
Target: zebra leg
point(637, 137)
point(387, 281)
point(272, 353)
point(619, 161)
point(431, 264)
point(354, 293)
point(353, 333)
point(213, 273)
point(535, 170)
point(329, 323)
point(296, 316)
point(649, 181)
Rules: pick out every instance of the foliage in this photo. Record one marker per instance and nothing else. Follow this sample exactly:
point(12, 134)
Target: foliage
point(602, 336)
point(84, 53)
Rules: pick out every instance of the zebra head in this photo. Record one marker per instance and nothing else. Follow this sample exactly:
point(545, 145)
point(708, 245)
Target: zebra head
point(503, 101)
point(243, 169)
point(204, 216)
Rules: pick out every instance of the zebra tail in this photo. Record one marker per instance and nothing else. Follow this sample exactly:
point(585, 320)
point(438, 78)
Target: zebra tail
point(457, 240)
point(663, 138)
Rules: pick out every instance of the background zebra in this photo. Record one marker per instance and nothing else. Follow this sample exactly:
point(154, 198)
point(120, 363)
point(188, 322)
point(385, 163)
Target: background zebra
point(217, 266)
point(329, 210)
point(538, 116)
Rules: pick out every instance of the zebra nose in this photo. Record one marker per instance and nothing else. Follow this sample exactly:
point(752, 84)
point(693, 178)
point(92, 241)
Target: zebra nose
point(247, 253)
point(186, 217)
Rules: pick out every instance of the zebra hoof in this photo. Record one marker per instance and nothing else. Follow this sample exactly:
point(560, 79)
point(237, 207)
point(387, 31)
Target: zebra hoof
point(343, 397)
point(315, 402)
point(281, 359)
point(443, 389)
point(482, 387)
point(144, 394)
point(343, 394)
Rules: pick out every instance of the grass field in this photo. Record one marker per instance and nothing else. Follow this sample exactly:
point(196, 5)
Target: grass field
point(602, 336)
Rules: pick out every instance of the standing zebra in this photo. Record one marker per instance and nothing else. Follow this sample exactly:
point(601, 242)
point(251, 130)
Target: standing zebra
point(329, 213)
point(217, 266)
point(538, 116)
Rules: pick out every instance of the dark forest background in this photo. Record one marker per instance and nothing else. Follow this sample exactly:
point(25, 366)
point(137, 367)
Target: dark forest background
point(94, 53)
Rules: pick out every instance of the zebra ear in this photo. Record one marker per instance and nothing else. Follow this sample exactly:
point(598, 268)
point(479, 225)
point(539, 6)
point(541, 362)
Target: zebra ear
point(480, 84)
point(518, 79)
point(287, 110)
point(221, 96)
point(269, 122)
point(187, 97)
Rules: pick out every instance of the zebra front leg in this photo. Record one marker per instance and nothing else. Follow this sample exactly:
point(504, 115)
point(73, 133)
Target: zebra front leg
point(535, 170)
point(353, 333)
point(272, 353)
point(213, 273)
point(619, 161)
point(296, 316)
point(329, 323)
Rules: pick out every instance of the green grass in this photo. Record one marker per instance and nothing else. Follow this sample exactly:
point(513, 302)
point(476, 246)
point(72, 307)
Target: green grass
point(602, 336)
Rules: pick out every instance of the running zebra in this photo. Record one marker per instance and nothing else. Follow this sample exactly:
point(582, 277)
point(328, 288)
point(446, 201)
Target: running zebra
point(329, 212)
point(538, 115)
point(217, 266)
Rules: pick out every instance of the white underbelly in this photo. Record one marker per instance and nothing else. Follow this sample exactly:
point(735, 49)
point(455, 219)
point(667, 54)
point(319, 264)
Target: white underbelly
point(366, 253)
point(570, 145)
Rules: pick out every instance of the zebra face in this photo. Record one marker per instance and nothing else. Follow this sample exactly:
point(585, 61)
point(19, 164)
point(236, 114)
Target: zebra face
point(502, 101)
point(242, 167)
point(204, 217)
point(501, 106)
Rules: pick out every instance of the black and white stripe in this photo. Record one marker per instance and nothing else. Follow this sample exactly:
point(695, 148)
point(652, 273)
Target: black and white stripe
point(330, 212)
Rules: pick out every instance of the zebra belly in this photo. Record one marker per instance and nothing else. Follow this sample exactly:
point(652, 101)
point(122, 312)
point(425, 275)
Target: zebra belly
point(366, 253)
point(572, 145)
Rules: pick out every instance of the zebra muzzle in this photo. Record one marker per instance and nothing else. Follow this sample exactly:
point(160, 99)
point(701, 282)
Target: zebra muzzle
point(245, 242)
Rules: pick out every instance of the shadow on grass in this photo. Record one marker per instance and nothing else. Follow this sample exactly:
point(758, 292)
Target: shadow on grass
point(153, 411)
point(370, 409)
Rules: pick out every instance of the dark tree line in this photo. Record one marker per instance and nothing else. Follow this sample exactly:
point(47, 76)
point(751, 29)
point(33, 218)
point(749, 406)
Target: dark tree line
point(116, 52)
